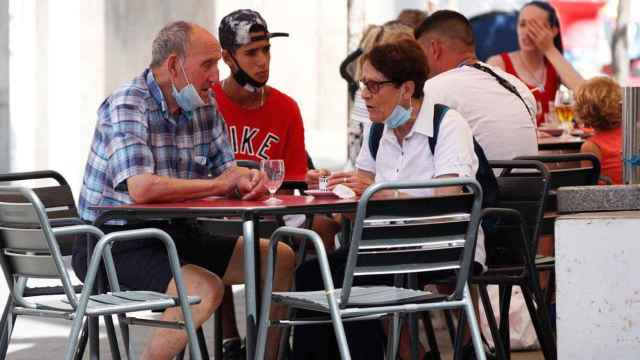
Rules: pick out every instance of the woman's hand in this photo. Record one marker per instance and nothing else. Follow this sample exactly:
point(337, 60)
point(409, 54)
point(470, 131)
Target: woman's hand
point(312, 176)
point(357, 181)
point(541, 35)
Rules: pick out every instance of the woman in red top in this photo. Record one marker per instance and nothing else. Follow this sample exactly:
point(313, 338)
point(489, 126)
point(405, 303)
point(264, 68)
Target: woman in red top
point(539, 62)
point(599, 105)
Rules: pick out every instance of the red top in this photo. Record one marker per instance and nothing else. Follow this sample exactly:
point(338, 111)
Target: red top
point(272, 131)
point(610, 144)
point(543, 96)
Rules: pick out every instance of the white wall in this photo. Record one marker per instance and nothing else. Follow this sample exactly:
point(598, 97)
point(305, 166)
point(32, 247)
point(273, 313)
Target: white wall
point(131, 26)
point(57, 81)
point(381, 11)
point(4, 85)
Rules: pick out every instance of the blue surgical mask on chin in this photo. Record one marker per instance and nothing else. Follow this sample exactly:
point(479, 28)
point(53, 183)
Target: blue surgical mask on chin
point(399, 116)
point(187, 98)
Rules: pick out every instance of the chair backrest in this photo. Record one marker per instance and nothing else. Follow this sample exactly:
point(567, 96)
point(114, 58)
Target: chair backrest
point(524, 187)
point(568, 170)
point(287, 185)
point(57, 200)
point(413, 235)
point(249, 164)
point(256, 165)
point(28, 247)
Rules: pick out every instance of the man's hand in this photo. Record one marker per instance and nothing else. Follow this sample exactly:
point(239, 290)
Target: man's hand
point(312, 176)
point(250, 185)
point(358, 181)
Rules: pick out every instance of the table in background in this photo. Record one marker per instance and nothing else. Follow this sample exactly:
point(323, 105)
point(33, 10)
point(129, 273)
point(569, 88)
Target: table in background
point(564, 143)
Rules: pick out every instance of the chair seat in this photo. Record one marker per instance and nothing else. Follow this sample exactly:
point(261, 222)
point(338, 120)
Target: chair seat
point(366, 296)
point(117, 302)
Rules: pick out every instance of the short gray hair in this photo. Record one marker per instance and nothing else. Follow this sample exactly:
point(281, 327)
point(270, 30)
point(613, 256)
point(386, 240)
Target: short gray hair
point(172, 39)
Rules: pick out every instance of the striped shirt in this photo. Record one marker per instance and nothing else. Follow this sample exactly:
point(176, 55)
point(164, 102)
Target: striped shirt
point(135, 135)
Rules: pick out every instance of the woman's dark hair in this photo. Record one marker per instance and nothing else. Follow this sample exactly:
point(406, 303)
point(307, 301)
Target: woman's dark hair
point(552, 17)
point(400, 61)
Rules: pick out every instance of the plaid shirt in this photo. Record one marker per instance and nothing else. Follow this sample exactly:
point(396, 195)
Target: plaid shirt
point(135, 134)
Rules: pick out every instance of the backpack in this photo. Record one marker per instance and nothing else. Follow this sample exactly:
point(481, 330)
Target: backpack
point(484, 175)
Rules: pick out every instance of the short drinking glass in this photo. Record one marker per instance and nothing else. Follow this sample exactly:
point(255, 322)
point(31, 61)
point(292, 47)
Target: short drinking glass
point(274, 171)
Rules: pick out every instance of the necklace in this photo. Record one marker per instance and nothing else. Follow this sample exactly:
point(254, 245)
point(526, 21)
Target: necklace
point(538, 81)
point(250, 106)
point(262, 96)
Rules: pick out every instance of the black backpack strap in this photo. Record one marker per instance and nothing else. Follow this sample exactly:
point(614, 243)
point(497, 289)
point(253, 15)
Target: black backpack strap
point(375, 133)
point(504, 82)
point(439, 111)
point(484, 174)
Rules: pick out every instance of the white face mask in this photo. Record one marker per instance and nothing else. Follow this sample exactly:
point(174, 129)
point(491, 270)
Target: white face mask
point(399, 116)
point(187, 98)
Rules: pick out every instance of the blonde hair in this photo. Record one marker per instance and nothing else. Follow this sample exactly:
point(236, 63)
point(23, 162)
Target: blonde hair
point(412, 17)
point(599, 103)
point(378, 35)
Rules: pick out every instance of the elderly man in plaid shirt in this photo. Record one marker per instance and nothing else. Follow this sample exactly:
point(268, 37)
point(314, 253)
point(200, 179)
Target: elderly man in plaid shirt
point(158, 138)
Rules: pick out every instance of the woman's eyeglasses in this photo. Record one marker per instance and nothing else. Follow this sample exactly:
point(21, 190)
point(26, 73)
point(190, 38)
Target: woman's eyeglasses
point(372, 85)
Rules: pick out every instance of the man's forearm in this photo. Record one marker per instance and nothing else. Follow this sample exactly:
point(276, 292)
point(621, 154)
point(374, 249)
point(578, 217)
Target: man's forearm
point(150, 188)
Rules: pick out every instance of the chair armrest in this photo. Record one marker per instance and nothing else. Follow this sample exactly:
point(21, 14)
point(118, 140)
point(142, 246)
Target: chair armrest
point(78, 229)
point(103, 250)
point(66, 222)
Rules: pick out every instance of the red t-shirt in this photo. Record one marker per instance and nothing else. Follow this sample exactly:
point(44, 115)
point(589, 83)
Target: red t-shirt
point(273, 131)
point(543, 96)
point(610, 144)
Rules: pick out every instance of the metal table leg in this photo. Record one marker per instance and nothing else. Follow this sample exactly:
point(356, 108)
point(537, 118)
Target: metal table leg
point(93, 322)
point(250, 285)
point(257, 258)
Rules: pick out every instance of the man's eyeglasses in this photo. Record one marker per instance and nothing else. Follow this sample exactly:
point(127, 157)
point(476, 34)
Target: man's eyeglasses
point(372, 85)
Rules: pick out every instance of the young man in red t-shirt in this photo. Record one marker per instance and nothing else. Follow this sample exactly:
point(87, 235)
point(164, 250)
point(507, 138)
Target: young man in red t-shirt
point(264, 123)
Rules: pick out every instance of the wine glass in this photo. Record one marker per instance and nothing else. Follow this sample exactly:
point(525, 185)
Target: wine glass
point(274, 170)
point(564, 103)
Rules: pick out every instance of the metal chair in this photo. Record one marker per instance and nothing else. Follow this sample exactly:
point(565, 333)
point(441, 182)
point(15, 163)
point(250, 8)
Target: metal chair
point(565, 170)
point(390, 237)
point(61, 211)
point(511, 244)
point(30, 248)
